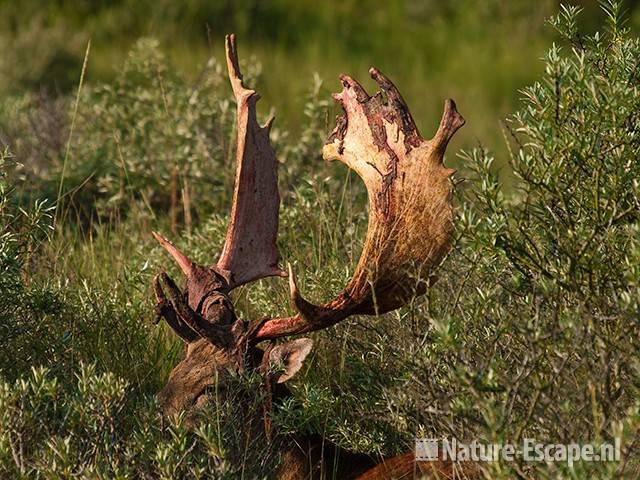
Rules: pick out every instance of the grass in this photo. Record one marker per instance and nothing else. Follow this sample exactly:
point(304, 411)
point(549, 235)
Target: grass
point(531, 330)
point(480, 55)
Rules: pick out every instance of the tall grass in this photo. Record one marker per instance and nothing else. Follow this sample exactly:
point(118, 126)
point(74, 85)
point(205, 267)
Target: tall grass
point(532, 329)
point(480, 54)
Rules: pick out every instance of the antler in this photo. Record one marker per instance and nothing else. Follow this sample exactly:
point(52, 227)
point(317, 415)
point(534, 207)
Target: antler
point(410, 212)
point(250, 250)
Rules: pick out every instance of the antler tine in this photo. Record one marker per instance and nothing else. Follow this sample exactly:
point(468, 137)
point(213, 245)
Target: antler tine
point(233, 67)
point(184, 262)
point(410, 212)
point(249, 253)
point(449, 124)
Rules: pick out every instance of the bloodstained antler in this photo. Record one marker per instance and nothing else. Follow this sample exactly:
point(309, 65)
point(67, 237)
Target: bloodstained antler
point(250, 250)
point(410, 212)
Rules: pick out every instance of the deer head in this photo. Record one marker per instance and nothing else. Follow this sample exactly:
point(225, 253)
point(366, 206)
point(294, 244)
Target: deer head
point(409, 232)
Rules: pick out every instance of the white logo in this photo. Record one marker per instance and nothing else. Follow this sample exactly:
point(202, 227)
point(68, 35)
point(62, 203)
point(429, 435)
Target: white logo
point(429, 449)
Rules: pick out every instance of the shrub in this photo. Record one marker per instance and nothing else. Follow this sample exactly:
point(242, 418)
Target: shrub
point(152, 137)
point(532, 330)
point(96, 426)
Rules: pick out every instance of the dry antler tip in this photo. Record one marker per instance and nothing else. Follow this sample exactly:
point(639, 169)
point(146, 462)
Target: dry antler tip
point(159, 237)
point(291, 275)
point(157, 288)
point(354, 88)
point(449, 124)
point(233, 64)
point(346, 80)
point(269, 123)
point(450, 106)
point(385, 84)
point(451, 109)
point(185, 264)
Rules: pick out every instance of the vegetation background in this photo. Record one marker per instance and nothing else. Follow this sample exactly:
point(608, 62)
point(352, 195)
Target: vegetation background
point(116, 117)
point(480, 53)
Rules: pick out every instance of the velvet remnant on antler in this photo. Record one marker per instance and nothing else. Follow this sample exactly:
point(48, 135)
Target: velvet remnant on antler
point(410, 211)
point(250, 250)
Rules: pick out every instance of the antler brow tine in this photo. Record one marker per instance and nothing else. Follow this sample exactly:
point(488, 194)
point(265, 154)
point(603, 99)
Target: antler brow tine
point(184, 262)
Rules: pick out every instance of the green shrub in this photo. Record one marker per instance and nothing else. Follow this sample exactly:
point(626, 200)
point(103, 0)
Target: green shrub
point(95, 426)
point(58, 321)
point(532, 330)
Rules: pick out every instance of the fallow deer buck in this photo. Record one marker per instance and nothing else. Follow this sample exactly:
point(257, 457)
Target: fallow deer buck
point(409, 232)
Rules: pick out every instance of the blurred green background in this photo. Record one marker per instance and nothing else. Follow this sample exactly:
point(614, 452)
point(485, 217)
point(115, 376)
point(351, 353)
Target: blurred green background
point(531, 331)
point(478, 52)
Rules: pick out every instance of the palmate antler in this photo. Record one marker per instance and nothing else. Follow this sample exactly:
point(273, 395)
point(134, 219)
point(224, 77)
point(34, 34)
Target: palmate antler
point(249, 251)
point(409, 230)
point(410, 212)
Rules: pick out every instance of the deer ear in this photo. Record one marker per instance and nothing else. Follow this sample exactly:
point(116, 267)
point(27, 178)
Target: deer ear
point(290, 355)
